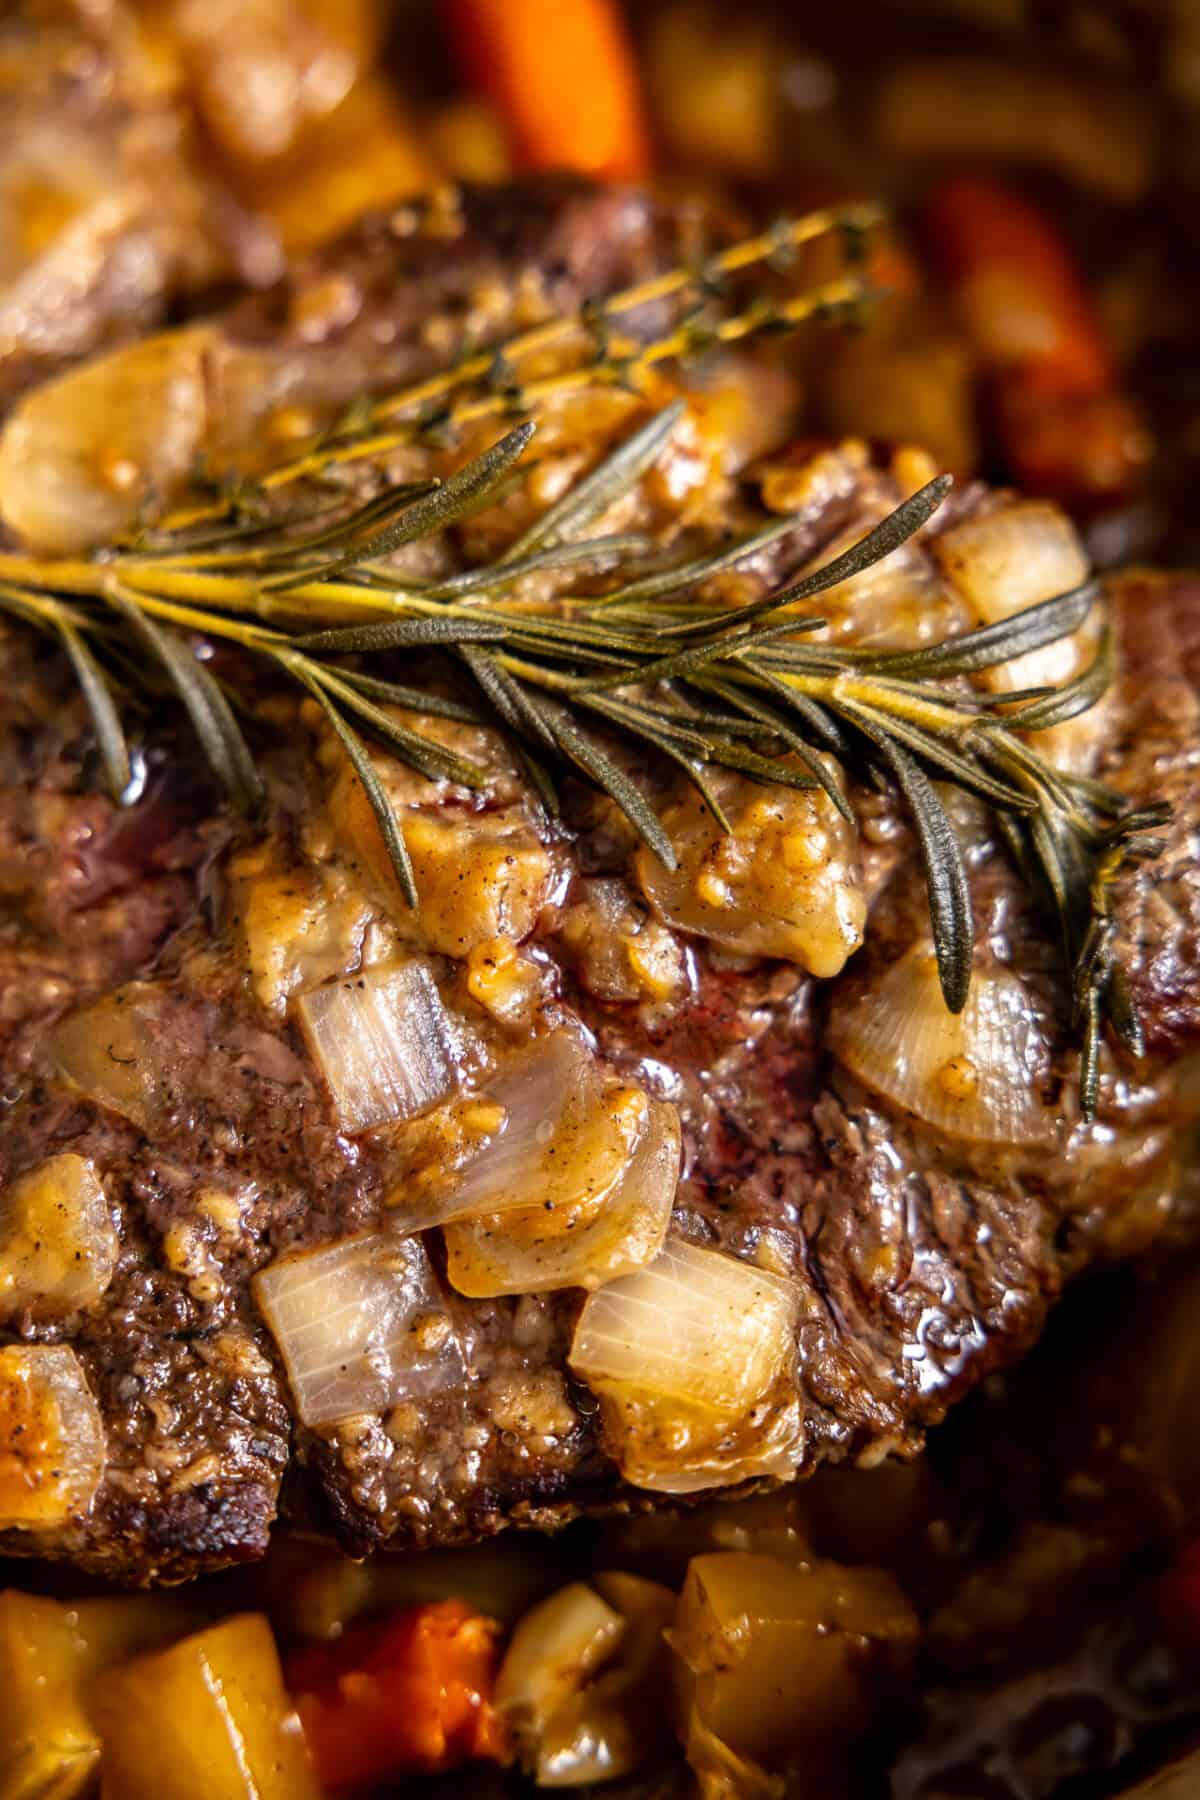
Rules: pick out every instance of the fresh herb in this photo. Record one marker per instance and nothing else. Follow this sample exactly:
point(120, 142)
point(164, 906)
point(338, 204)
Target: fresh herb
point(645, 659)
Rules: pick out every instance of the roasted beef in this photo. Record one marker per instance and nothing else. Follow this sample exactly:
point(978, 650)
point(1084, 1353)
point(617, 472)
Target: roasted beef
point(923, 1258)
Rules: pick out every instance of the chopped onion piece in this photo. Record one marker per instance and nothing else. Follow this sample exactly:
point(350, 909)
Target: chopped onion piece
point(107, 1050)
point(515, 1253)
point(51, 1438)
point(1003, 561)
point(81, 455)
point(383, 1042)
point(565, 1142)
point(973, 1075)
point(693, 1360)
point(696, 1326)
point(360, 1325)
point(58, 1245)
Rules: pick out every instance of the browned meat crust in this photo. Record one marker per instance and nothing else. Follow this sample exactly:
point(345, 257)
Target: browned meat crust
point(922, 1266)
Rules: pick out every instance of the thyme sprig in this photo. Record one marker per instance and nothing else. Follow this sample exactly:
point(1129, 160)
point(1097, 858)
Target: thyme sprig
point(639, 655)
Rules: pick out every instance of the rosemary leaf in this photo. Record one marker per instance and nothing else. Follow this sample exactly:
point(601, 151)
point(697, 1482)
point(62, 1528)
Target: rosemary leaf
point(879, 542)
point(1031, 629)
point(472, 485)
point(210, 712)
point(430, 759)
point(601, 769)
point(403, 634)
point(381, 806)
point(619, 471)
point(102, 707)
point(1076, 697)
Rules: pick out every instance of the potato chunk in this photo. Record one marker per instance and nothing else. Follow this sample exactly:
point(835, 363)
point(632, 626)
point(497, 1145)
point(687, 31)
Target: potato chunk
point(207, 1719)
point(51, 1654)
point(58, 1245)
point(47, 1743)
point(784, 881)
point(51, 1438)
point(776, 1659)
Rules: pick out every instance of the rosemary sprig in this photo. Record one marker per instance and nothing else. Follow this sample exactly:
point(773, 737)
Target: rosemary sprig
point(639, 655)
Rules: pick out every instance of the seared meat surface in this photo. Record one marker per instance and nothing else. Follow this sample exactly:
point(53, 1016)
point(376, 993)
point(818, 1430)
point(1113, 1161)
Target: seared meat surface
point(922, 1257)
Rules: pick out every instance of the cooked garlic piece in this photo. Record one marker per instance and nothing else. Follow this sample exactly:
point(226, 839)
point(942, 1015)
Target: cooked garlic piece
point(51, 1438)
point(785, 881)
point(976, 1075)
point(58, 1245)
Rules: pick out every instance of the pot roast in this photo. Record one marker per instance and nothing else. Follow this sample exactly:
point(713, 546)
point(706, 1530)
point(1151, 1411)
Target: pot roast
point(586, 1184)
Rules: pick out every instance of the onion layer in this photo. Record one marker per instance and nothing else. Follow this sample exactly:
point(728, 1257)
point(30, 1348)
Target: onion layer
point(58, 1246)
point(360, 1325)
point(784, 881)
point(51, 1438)
point(382, 1040)
point(513, 1253)
point(107, 1050)
point(973, 1075)
point(693, 1359)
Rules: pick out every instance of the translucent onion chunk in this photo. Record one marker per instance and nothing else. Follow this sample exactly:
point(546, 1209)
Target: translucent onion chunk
point(108, 1051)
point(1003, 561)
point(563, 1139)
point(383, 1042)
point(693, 1359)
point(975, 1076)
point(51, 1438)
point(360, 1325)
point(784, 881)
point(526, 1251)
point(81, 454)
point(58, 1245)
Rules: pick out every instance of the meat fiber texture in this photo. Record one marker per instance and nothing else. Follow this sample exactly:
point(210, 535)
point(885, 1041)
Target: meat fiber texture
point(921, 1262)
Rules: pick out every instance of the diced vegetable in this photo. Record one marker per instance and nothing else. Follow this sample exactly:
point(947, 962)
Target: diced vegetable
point(1066, 429)
point(51, 1654)
point(777, 1659)
point(784, 881)
point(607, 1729)
point(207, 1719)
point(51, 1438)
point(383, 1042)
point(80, 454)
point(976, 1075)
point(58, 1245)
point(47, 1742)
point(554, 1650)
point(360, 1325)
point(561, 1139)
point(563, 76)
point(622, 953)
point(107, 1050)
point(519, 1252)
point(411, 1693)
point(693, 1360)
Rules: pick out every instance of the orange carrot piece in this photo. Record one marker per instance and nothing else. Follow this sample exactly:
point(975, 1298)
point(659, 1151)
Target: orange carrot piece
point(564, 77)
point(1066, 429)
point(410, 1693)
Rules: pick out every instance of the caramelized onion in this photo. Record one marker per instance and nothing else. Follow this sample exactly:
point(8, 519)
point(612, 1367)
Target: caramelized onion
point(107, 1050)
point(693, 1360)
point(783, 881)
point(515, 1252)
point(81, 454)
point(360, 1325)
point(383, 1042)
point(563, 1140)
point(51, 1438)
point(973, 1075)
point(58, 1246)
point(553, 1651)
